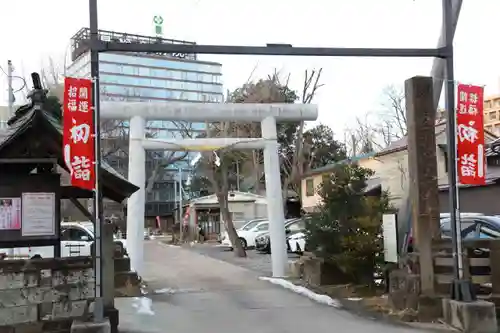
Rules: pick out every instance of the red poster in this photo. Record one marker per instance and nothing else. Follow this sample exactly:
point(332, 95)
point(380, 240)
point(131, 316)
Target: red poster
point(471, 161)
point(78, 132)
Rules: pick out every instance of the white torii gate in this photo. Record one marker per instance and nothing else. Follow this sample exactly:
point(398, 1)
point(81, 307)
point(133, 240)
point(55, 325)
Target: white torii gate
point(139, 112)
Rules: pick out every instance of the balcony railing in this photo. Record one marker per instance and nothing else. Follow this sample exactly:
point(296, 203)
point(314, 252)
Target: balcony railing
point(79, 46)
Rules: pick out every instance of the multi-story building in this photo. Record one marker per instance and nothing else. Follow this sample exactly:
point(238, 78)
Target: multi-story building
point(4, 116)
point(151, 77)
point(491, 111)
point(492, 114)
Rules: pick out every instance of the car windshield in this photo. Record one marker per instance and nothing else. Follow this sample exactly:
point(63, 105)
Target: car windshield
point(90, 227)
point(262, 226)
point(495, 220)
point(464, 223)
point(296, 226)
point(250, 225)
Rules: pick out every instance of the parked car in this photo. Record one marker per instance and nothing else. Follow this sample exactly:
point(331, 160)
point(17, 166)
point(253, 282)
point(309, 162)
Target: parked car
point(76, 240)
point(473, 226)
point(247, 225)
point(247, 234)
point(263, 242)
point(465, 214)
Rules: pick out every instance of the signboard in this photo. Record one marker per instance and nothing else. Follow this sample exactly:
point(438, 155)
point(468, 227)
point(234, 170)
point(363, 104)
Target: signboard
point(78, 132)
point(390, 234)
point(471, 161)
point(38, 214)
point(10, 213)
point(158, 23)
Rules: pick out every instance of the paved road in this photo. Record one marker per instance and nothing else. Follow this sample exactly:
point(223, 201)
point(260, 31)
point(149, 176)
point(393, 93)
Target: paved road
point(209, 295)
point(255, 261)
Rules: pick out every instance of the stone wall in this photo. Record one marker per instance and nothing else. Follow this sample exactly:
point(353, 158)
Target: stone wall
point(44, 291)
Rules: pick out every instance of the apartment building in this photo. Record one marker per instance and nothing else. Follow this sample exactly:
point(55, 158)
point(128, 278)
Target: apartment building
point(492, 114)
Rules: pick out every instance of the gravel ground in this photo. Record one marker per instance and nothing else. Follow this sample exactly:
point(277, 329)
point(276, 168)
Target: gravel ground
point(255, 261)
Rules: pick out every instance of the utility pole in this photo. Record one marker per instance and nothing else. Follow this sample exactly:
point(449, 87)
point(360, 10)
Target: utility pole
point(10, 70)
point(181, 219)
point(237, 176)
point(98, 205)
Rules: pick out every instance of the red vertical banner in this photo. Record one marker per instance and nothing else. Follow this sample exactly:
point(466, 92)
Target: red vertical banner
point(78, 132)
point(471, 161)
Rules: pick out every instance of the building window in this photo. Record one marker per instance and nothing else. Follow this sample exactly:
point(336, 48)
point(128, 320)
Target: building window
point(310, 187)
point(161, 62)
point(493, 115)
point(144, 93)
point(325, 178)
point(161, 83)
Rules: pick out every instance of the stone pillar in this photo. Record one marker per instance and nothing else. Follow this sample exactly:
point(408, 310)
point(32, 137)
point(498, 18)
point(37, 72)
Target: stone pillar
point(108, 276)
point(422, 168)
point(275, 212)
point(136, 202)
point(108, 265)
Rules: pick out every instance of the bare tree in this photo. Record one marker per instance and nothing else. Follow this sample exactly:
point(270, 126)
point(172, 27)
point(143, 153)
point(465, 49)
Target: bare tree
point(162, 160)
point(217, 168)
point(293, 157)
point(363, 138)
point(392, 124)
point(377, 130)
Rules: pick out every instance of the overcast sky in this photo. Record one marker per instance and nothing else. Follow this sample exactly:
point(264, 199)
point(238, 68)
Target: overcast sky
point(31, 31)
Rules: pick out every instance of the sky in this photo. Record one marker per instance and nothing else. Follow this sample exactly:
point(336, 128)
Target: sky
point(33, 31)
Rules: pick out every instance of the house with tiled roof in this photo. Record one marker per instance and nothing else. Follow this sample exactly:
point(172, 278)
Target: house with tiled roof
point(391, 168)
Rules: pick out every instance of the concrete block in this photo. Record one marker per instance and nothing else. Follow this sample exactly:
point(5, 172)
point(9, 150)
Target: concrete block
point(91, 327)
point(295, 268)
point(18, 315)
point(29, 328)
point(470, 317)
point(17, 280)
point(69, 309)
point(122, 264)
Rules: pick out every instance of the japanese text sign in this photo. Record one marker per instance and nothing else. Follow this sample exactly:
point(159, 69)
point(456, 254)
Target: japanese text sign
point(78, 132)
point(471, 163)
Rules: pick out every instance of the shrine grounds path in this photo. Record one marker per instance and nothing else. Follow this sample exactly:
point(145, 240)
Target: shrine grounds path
point(190, 292)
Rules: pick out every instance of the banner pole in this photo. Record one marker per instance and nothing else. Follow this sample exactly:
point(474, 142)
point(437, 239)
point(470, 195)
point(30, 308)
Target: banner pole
point(94, 73)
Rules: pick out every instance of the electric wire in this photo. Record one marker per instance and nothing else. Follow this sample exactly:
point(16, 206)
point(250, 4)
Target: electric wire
point(15, 77)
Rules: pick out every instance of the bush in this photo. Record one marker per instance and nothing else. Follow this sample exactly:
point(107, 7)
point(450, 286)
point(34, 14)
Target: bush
point(347, 229)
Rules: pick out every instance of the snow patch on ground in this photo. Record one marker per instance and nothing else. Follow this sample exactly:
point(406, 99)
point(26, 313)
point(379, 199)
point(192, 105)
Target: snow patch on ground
point(323, 299)
point(164, 291)
point(143, 305)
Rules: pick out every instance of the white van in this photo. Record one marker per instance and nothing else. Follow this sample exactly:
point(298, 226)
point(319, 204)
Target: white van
point(76, 240)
